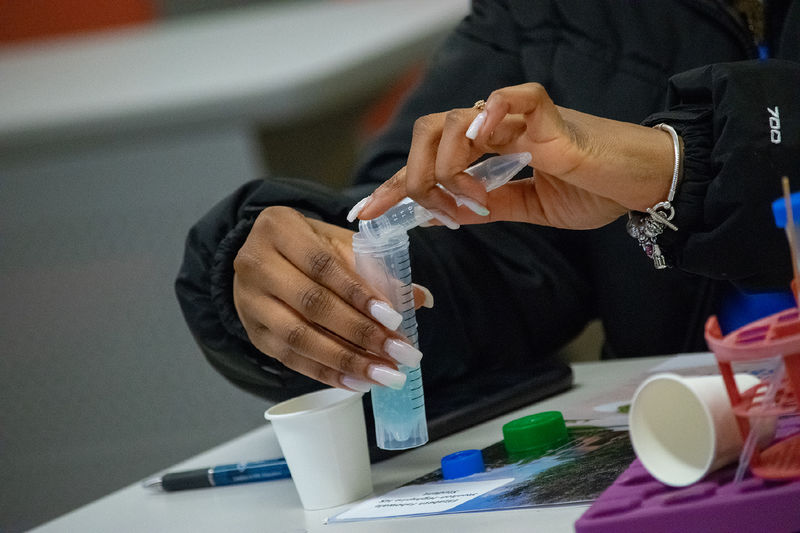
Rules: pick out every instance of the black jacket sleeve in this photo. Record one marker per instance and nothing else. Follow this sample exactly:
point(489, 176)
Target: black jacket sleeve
point(740, 124)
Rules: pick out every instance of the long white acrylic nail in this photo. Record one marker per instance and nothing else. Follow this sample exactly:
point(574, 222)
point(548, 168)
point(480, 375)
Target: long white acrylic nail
point(351, 216)
point(387, 376)
point(444, 219)
point(402, 352)
point(428, 295)
point(356, 384)
point(383, 313)
point(472, 205)
point(475, 125)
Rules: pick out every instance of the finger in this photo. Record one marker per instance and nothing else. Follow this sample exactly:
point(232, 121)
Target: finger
point(507, 137)
point(455, 153)
point(319, 260)
point(417, 176)
point(321, 306)
point(390, 193)
point(530, 100)
point(320, 284)
point(421, 180)
point(385, 196)
point(259, 315)
point(314, 352)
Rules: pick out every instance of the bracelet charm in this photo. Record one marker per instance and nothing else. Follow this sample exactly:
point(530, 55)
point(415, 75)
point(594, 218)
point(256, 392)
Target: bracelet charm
point(646, 227)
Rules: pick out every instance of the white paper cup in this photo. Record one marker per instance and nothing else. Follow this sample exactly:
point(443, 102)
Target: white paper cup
point(324, 440)
point(682, 428)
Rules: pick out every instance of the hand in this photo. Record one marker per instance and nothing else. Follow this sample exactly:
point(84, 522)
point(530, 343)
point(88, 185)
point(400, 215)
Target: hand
point(588, 170)
point(300, 300)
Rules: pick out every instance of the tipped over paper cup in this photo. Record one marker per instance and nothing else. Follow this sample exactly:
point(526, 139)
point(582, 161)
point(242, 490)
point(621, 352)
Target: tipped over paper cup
point(323, 437)
point(683, 428)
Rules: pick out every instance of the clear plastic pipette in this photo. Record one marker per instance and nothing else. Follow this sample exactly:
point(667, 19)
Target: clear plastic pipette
point(407, 213)
point(760, 423)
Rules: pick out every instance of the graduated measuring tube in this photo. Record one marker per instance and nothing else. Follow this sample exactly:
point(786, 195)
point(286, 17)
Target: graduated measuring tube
point(381, 253)
point(400, 421)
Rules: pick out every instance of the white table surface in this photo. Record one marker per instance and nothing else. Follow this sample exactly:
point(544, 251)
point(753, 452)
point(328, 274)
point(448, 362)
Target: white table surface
point(269, 63)
point(275, 507)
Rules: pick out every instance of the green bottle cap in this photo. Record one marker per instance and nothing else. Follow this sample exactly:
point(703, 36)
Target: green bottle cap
point(535, 433)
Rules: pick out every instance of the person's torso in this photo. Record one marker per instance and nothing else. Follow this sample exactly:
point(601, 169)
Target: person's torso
point(614, 58)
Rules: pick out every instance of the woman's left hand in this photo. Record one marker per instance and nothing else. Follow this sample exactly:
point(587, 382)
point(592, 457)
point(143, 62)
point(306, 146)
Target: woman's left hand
point(588, 170)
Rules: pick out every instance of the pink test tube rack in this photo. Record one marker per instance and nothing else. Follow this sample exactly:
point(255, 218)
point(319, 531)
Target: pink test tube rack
point(774, 336)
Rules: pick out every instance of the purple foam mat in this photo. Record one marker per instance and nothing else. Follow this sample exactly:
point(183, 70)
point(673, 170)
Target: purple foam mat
point(636, 502)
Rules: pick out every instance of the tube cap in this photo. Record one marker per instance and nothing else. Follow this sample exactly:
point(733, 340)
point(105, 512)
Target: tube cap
point(499, 170)
point(535, 433)
point(462, 464)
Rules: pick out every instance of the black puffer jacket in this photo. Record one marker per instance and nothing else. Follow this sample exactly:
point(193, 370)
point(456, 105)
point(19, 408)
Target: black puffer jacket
point(509, 295)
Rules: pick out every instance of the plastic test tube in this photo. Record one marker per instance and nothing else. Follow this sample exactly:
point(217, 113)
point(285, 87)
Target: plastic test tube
point(407, 213)
point(400, 420)
point(381, 253)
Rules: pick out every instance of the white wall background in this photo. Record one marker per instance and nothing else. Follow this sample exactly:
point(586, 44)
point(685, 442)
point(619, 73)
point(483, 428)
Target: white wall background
point(101, 383)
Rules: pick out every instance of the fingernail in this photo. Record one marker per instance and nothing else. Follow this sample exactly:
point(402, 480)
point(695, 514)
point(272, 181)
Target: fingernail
point(351, 216)
point(447, 191)
point(428, 295)
point(402, 352)
point(356, 384)
point(475, 125)
point(387, 376)
point(444, 219)
point(383, 313)
point(473, 206)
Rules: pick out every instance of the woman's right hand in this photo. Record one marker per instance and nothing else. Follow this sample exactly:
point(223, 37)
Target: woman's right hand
point(301, 301)
point(588, 170)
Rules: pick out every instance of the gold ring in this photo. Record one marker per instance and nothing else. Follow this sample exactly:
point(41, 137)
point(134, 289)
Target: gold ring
point(479, 105)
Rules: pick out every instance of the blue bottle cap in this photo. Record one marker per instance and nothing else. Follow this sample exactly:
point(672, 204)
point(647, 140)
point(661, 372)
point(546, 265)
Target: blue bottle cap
point(779, 210)
point(462, 464)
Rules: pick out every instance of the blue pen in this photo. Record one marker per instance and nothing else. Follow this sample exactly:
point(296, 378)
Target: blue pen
point(217, 476)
